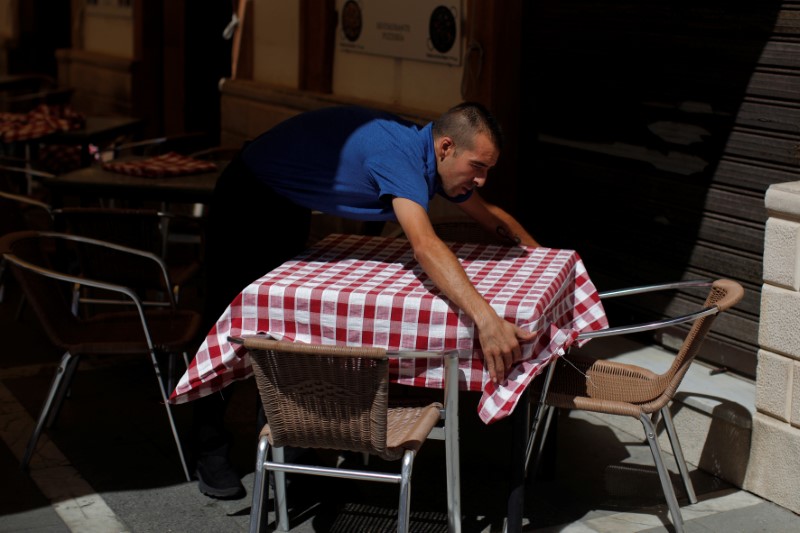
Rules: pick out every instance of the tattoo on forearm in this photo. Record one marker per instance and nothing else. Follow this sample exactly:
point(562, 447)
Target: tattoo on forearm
point(507, 235)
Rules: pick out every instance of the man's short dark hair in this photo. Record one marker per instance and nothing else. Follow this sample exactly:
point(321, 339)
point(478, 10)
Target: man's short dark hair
point(464, 121)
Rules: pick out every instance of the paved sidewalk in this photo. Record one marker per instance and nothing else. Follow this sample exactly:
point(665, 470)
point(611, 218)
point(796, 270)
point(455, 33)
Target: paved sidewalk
point(110, 465)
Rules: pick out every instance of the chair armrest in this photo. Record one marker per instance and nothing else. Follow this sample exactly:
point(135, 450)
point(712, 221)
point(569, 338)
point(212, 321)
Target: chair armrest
point(27, 171)
point(217, 153)
point(648, 326)
point(630, 291)
point(120, 248)
point(168, 142)
point(414, 354)
point(146, 143)
point(656, 324)
point(27, 201)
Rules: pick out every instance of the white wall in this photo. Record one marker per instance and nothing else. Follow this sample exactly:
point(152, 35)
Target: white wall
point(8, 9)
point(275, 43)
point(108, 30)
point(408, 83)
point(402, 82)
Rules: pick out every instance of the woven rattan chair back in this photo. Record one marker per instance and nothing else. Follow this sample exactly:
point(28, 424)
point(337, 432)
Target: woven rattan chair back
point(336, 400)
point(723, 295)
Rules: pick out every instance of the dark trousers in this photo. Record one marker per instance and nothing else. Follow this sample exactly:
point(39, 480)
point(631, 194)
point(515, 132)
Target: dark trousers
point(250, 231)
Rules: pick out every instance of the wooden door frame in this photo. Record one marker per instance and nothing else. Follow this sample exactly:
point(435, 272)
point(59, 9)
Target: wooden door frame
point(495, 35)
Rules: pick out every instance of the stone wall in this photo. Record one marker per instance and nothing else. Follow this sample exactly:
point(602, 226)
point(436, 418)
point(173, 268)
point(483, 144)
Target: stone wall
point(775, 449)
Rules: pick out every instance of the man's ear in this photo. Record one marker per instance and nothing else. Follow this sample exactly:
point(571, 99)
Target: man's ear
point(444, 146)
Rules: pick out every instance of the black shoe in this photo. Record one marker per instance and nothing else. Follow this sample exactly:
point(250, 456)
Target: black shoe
point(217, 478)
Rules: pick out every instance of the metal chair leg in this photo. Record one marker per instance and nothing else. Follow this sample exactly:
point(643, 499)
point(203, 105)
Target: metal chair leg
point(451, 438)
point(55, 387)
point(3, 277)
point(548, 417)
point(663, 474)
point(403, 510)
point(63, 391)
point(282, 515)
point(23, 303)
point(167, 407)
point(678, 452)
point(259, 479)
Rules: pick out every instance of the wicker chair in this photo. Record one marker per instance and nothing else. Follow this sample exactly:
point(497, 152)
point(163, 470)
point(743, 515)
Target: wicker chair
point(47, 288)
point(622, 389)
point(333, 397)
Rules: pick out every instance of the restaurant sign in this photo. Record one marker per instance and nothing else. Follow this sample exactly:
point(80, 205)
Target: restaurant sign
point(422, 30)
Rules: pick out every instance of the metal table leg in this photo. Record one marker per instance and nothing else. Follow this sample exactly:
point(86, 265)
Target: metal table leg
point(519, 452)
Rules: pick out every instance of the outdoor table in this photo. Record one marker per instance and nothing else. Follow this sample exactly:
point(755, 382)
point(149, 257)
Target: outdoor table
point(67, 133)
point(100, 182)
point(356, 290)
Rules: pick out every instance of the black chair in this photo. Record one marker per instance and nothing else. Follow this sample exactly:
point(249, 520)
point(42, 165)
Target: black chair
point(40, 262)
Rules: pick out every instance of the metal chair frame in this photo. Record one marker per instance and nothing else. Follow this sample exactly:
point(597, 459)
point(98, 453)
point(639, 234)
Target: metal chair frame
point(68, 364)
point(544, 412)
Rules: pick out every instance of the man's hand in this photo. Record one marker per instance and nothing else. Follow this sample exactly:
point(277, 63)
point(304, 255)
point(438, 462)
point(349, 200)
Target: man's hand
point(500, 344)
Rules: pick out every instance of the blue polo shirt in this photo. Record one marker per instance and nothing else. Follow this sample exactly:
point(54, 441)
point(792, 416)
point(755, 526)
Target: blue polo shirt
point(347, 161)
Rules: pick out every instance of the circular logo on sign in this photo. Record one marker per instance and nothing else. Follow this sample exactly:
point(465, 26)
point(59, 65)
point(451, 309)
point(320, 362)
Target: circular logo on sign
point(351, 20)
point(442, 29)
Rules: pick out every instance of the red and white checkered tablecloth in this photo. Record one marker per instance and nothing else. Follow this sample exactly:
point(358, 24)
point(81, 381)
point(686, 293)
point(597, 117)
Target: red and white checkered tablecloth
point(169, 164)
point(357, 290)
point(39, 122)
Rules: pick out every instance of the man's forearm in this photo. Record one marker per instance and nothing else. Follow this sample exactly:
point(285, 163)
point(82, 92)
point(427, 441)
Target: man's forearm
point(446, 272)
point(497, 220)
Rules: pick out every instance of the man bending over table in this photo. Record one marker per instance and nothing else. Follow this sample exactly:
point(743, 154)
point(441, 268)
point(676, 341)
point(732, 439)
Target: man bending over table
point(354, 163)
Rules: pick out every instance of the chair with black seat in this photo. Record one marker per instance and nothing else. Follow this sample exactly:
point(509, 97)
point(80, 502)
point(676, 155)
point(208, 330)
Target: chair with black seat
point(183, 143)
point(217, 153)
point(39, 261)
point(333, 397)
point(143, 229)
point(609, 387)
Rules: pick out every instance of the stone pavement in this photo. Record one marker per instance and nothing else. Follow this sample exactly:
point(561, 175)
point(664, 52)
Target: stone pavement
point(110, 465)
